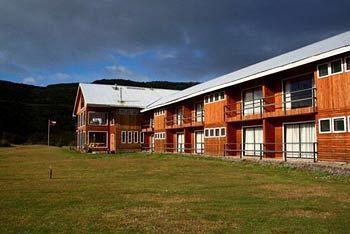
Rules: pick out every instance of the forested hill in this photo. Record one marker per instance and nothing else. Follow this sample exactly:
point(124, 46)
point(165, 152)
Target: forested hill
point(25, 109)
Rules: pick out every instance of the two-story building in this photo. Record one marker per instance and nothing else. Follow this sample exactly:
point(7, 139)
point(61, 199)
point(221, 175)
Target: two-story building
point(295, 105)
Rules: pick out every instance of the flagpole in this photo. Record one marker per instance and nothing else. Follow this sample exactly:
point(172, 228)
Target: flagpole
point(48, 133)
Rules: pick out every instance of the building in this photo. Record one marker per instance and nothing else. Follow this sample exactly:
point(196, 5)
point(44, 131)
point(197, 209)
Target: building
point(296, 105)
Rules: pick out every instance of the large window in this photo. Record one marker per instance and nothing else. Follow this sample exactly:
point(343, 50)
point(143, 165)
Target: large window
point(98, 139)
point(298, 92)
point(199, 112)
point(252, 101)
point(97, 118)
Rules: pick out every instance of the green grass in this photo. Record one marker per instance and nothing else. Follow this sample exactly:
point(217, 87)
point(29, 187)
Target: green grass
point(137, 192)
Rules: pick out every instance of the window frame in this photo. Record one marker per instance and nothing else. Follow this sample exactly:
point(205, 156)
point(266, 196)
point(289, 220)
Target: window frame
point(330, 126)
point(142, 137)
point(123, 133)
point(345, 124)
point(345, 64)
point(341, 66)
point(318, 70)
point(136, 137)
point(130, 136)
point(222, 135)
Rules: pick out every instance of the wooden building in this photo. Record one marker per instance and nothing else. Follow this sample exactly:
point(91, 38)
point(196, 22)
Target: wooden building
point(293, 106)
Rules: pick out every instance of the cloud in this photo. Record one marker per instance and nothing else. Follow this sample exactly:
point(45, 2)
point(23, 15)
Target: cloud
point(188, 40)
point(29, 80)
point(121, 72)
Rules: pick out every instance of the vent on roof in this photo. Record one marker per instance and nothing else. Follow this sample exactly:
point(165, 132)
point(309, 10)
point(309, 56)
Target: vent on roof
point(115, 87)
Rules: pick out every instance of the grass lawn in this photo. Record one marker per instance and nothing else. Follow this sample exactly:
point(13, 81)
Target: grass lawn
point(136, 192)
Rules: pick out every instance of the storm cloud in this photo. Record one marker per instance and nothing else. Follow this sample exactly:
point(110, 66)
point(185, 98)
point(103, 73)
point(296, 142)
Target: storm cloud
point(46, 42)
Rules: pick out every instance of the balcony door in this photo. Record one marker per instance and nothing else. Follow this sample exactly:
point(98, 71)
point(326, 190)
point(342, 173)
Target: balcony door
point(180, 142)
point(298, 92)
point(299, 140)
point(253, 141)
point(252, 101)
point(199, 117)
point(179, 116)
point(199, 137)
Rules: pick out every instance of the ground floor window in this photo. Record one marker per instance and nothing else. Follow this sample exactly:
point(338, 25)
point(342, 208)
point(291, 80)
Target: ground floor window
point(253, 141)
point(98, 139)
point(80, 139)
point(299, 140)
point(199, 138)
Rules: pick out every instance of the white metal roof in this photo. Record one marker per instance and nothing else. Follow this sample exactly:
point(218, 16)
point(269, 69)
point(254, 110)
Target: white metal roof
point(122, 96)
point(308, 54)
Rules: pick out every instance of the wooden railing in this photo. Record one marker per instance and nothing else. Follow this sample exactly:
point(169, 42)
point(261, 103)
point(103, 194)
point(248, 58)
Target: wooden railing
point(184, 120)
point(292, 103)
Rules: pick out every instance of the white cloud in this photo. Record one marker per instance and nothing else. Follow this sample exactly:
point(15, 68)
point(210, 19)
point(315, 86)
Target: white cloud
point(29, 80)
point(60, 76)
point(121, 72)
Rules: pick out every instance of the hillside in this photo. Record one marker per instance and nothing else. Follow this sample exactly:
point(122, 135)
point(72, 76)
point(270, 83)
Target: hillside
point(25, 109)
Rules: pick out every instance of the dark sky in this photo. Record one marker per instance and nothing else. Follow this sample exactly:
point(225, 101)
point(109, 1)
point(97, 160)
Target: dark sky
point(54, 41)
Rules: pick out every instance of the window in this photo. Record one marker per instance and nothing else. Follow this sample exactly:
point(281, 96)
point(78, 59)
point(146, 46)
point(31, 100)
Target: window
point(223, 132)
point(253, 141)
point(206, 132)
point(142, 137)
point(159, 112)
point(252, 99)
point(214, 97)
point(298, 92)
point(123, 137)
point(347, 64)
point(98, 139)
point(97, 118)
point(323, 70)
point(324, 125)
point(339, 124)
point(136, 137)
point(333, 67)
point(217, 132)
point(129, 137)
point(336, 66)
point(211, 132)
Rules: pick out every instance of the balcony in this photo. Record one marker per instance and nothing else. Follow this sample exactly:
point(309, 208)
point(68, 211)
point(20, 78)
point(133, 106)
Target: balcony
point(147, 126)
point(300, 102)
point(183, 121)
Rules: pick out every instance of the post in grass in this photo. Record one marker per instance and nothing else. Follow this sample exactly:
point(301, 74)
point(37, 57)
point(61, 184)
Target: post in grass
point(50, 172)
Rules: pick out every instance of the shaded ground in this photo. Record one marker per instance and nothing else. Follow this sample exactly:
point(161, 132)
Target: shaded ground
point(136, 192)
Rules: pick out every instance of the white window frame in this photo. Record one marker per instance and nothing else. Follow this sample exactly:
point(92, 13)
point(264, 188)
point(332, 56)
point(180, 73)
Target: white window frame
point(125, 138)
point(88, 137)
point(221, 132)
point(130, 135)
point(329, 68)
point(341, 66)
point(330, 126)
point(136, 137)
point(345, 68)
point(345, 127)
point(220, 97)
point(142, 137)
point(349, 123)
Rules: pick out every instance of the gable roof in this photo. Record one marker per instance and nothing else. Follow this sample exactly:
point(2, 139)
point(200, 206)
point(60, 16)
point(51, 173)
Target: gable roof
point(120, 96)
point(308, 54)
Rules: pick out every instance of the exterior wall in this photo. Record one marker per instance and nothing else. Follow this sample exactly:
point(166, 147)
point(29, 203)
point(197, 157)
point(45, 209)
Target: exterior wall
point(333, 99)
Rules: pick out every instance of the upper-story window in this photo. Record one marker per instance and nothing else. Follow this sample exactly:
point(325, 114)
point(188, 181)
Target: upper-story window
point(330, 68)
point(298, 92)
point(179, 116)
point(159, 112)
point(214, 97)
point(252, 101)
point(347, 64)
point(97, 118)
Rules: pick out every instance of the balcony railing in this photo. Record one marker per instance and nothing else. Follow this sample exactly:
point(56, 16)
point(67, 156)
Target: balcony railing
point(299, 150)
point(291, 103)
point(184, 120)
point(147, 126)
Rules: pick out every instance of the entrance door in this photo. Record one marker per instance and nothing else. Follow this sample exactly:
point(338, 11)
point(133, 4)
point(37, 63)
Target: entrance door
point(180, 142)
point(199, 142)
point(299, 140)
point(112, 142)
point(152, 143)
point(253, 141)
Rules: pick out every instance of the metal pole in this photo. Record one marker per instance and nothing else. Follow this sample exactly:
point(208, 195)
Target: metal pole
point(48, 133)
